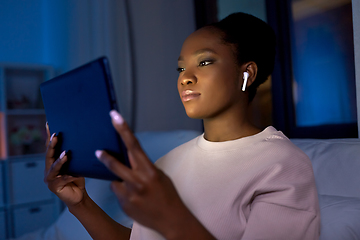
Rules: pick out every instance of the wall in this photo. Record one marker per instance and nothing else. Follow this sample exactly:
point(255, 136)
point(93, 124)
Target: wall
point(21, 31)
point(35, 32)
point(356, 24)
point(159, 31)
point(254, 7)
point(67, 33)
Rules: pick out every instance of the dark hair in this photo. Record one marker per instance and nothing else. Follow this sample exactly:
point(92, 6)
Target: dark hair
point(254, 40)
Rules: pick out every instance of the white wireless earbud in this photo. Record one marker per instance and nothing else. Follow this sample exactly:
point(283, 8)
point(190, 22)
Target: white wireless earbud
point(246, 75)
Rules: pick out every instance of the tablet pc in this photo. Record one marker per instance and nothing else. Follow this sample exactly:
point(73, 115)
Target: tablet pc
point(77, 106)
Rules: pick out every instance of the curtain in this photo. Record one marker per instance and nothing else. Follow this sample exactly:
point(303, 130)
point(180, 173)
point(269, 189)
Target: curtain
point(142, 40)
point(77, 32)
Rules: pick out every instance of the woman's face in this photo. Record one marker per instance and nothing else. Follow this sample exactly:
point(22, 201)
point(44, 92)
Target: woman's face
point(209, 80)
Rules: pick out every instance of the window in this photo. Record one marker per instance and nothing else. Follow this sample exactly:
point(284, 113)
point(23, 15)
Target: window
point(314, 78)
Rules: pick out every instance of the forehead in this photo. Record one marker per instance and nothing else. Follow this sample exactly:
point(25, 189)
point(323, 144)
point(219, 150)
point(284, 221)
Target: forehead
point(205, 38)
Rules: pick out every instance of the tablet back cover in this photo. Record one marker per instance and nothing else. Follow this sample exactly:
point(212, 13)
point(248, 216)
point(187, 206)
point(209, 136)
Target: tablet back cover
point(77, 106)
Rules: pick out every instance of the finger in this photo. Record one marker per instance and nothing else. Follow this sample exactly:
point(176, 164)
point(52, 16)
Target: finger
point(134, 165)
point(50, 152)
point(119, 188)
point(56, 167)
point(66, 182)
point(47, 133)
point(123, 129)
point(119, 169)
point(68, 178)
point(130, 141)
point(62, 180)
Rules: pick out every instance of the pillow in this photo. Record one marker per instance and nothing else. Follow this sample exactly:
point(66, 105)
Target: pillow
point(336, 164)
point(340, 217)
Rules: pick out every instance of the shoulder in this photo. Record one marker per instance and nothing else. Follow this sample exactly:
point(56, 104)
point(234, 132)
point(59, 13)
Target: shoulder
point(176, 153)
point(278, 149)
point(279, 166)
point(285, 176)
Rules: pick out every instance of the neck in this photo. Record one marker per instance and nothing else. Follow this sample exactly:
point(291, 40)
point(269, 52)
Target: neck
point(225, 128)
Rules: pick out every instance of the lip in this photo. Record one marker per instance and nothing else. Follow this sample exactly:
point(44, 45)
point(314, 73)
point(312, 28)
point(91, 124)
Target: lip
point(188, 95)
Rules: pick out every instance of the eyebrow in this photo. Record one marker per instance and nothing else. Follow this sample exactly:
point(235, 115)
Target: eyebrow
point(200, 51)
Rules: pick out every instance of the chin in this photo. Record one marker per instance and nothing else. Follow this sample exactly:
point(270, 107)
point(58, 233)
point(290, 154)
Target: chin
point(194, 114)
point(195, 117)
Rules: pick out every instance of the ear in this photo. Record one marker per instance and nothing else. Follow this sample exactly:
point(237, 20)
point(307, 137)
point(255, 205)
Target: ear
point(251, 68)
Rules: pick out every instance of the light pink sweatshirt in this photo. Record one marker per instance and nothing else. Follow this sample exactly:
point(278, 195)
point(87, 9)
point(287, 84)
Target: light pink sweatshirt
point(258, 187)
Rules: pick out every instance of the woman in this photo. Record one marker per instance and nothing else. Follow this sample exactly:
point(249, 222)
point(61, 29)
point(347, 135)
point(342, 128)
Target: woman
point(234, 181)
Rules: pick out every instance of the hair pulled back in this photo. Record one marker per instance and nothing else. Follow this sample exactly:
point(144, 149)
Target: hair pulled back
point(254, 40)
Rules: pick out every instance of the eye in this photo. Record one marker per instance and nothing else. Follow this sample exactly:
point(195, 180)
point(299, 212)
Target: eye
point(179, 69)
point(205, 63)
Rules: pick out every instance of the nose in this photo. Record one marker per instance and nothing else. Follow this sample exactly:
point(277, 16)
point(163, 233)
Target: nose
point(187, 79)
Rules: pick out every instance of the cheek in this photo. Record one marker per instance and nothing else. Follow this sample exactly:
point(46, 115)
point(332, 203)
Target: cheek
point(221, 83)
point(178, 86)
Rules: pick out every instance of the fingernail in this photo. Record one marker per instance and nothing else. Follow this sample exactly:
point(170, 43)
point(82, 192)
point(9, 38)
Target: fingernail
point(98, 153)
point(62, 155)
point(47, 125)
point(52, 136)
point(116, 117)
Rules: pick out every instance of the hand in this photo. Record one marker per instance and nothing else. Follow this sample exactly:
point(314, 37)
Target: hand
point(146, 194)
point(71, 190)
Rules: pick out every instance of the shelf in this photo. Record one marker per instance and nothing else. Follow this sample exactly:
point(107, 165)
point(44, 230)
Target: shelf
point(22, 115)
point(26, 134)
point(27, 157)
point(25, 112)
point(25, 202)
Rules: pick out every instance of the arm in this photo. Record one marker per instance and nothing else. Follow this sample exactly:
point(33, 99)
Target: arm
point(147, 195)
point(72, 192)
point(272, 221)
point(285, 204)
point(97, 223)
